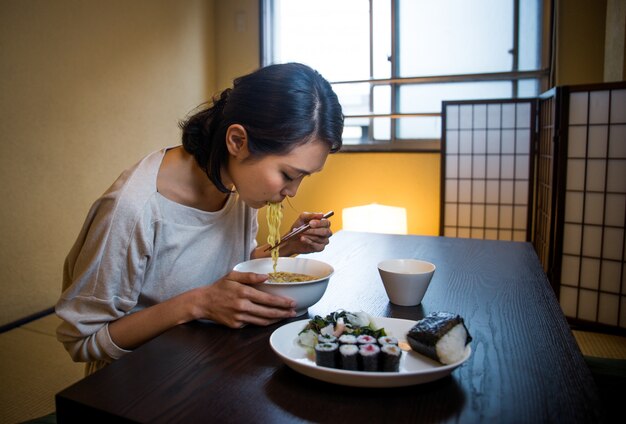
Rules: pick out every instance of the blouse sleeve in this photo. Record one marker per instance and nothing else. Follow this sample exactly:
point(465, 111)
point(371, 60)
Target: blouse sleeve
point(103, 276)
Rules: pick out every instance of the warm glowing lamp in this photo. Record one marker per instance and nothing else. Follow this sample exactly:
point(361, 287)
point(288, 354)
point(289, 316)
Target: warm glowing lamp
point(375, 218)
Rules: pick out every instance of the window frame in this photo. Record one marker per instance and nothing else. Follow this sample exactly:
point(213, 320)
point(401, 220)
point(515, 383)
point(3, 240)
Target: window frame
point(395, 144)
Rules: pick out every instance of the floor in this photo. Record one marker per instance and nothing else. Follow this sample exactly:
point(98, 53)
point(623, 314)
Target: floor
point(34, 366)
point(601, 345)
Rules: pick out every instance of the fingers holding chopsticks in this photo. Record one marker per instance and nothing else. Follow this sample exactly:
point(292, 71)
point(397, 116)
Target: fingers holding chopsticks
point(313, 239)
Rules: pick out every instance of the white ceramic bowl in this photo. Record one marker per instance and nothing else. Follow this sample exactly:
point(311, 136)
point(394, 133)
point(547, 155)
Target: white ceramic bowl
point(406, 280)
point(305, 293)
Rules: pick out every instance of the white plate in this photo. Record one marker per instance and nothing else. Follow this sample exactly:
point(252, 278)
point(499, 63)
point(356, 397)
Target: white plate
point(414, 368)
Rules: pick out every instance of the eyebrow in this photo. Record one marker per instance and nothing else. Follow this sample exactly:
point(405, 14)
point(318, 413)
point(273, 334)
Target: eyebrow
point(301, 171)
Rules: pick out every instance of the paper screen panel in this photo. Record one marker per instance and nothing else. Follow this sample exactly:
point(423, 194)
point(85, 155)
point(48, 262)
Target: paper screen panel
point(546, 185)
point(486, 156)
point(593, 253)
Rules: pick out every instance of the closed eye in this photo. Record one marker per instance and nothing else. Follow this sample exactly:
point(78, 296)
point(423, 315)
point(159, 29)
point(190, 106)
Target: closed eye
point(287, 177)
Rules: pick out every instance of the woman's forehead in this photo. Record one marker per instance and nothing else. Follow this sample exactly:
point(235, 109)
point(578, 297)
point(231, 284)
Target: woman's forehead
point(306, 158)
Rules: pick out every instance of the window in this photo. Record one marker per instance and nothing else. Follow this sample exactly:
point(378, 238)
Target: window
point(393, 62)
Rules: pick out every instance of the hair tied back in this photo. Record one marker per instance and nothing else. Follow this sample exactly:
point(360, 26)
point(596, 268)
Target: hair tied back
point(219, 103)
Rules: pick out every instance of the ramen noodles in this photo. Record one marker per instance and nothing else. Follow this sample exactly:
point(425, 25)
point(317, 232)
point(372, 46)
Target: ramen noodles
point(289, 277)
point(274, 217)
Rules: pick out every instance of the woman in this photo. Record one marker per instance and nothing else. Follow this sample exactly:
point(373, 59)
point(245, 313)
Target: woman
point(158, 248)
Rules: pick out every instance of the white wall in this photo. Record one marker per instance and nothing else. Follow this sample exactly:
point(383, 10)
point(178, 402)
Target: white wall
point(237, 40)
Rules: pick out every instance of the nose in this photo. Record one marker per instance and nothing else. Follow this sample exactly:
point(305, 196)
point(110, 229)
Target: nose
point(291, 189)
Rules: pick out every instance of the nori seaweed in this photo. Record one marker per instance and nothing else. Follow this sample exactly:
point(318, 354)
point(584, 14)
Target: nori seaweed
point(349, 361)
point(368, 357)
point(390, 358)
point(424, 335)
point(326, 354)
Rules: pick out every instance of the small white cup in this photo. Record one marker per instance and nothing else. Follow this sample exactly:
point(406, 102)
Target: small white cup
point(406, 280)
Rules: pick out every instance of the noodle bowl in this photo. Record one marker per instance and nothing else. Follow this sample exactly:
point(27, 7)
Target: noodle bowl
point(305, 293)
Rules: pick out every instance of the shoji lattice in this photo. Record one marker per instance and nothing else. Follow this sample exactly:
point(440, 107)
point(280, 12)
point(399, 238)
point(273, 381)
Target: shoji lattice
point(546, 179)
point(487, 148)
point(593, 212)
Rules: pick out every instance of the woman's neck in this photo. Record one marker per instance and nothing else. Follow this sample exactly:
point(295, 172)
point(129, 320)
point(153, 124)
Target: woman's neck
point(181, 180)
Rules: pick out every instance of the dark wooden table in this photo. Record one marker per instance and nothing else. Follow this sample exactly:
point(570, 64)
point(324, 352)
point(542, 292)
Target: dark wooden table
point(525, 365)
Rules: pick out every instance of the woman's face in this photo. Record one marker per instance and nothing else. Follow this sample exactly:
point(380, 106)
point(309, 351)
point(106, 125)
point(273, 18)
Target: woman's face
point(273, 177)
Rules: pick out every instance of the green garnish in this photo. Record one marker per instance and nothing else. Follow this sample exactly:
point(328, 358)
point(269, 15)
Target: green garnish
point(317, 323)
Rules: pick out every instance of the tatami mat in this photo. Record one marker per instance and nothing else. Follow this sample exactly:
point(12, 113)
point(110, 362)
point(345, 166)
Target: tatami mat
point(34, 366)
point(601, 345)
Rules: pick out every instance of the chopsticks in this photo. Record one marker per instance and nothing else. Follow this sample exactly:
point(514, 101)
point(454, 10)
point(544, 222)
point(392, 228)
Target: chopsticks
point(297, 231)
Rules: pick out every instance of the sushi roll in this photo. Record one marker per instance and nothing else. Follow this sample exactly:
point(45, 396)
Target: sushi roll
point(441, 336)
point(387, 340)
point(368, 357)
point(365, 339)
point(326, 354)
point(347, 339)
point(326, 338)
point(349, 357)
point(390, 357)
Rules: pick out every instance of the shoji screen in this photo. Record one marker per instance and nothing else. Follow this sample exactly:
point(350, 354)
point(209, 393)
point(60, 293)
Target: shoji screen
point(546, 179)
point(593, 212)
point(487, 150)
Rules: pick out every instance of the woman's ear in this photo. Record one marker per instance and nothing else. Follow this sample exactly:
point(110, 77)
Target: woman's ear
point(237, 140)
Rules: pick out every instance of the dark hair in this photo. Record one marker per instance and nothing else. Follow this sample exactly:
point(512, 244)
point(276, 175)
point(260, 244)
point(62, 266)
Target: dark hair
point(280, 106)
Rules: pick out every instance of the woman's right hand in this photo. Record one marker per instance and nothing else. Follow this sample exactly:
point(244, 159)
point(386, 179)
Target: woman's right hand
point(234, 301)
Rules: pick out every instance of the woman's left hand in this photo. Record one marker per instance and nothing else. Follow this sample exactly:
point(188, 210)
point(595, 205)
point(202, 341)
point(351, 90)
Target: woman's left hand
point(314, 239)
